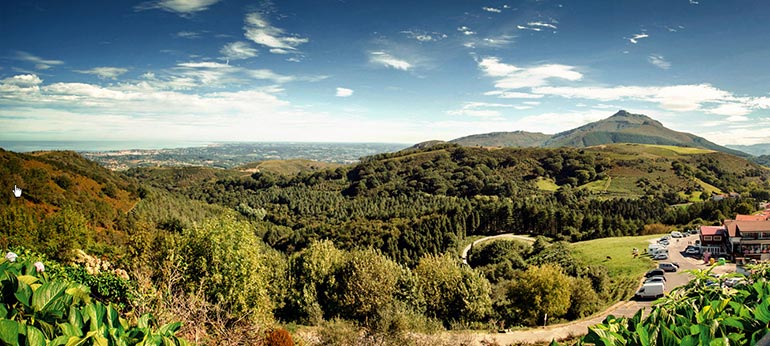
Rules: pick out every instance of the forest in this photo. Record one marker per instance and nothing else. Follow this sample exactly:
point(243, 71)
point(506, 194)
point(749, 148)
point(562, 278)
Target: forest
point(361, 251)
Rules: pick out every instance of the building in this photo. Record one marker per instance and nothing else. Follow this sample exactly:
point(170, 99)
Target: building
point(714, 240)
point(752, 238)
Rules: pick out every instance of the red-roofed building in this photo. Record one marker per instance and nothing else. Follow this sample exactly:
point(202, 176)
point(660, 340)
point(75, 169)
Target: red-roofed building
point(714, 239)
point(758, 217)
point(753, 237)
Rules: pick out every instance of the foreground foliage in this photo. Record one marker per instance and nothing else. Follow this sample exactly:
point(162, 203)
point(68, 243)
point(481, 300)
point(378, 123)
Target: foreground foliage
point(700, 313)
point(36, 311)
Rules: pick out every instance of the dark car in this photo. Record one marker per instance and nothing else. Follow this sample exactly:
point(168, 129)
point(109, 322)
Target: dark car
point(654, 272)
point(669, 267)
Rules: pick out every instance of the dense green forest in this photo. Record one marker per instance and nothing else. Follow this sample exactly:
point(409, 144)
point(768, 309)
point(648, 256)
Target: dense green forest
point(234, 255)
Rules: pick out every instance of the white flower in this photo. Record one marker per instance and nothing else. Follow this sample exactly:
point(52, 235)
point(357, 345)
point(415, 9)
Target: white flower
point(11, 257)
point(39, 266)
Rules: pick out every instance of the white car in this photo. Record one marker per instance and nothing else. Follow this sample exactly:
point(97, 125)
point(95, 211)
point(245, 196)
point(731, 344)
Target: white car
point(655, 279)
point(660, 256)
point(692, 251)
point(676, 235)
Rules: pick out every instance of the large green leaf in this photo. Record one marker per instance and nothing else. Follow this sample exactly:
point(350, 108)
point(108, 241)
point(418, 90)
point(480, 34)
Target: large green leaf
point(75, 318)
point(35, 337)
point(9, 332)
point(762, 312)
point(170, 328)
point(47, 295)
point(23, 294)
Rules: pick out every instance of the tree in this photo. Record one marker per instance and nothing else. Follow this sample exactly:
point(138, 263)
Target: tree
point(312, 281)
point(226, 258)
point(452, 292)
point(540, 291)
point(366, 283)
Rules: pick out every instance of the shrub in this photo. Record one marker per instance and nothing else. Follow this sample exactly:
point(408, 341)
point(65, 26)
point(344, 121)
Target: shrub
point(278, 337)
point(39, 311)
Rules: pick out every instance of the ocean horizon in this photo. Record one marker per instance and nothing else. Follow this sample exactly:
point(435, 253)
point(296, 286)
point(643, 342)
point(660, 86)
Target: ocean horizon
point(97, 145)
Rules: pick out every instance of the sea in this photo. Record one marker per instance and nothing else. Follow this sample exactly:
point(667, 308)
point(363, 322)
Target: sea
point(94, 145)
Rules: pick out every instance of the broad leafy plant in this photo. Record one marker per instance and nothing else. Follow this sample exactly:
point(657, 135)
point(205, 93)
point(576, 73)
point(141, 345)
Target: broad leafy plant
point(36, 311)
point(704, 312)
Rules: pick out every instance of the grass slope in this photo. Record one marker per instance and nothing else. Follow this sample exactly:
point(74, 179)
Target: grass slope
point(287, 167)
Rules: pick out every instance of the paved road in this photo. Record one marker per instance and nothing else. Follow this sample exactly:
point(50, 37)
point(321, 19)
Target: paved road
point(623, 308)
point(526, 238)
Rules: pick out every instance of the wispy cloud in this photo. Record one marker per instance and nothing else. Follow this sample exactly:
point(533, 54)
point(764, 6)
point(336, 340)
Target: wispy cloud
point(542, 25)
point(466, 30)
point(387, 60)
point(537, 26)
point(105, 72)
point(40, 63)
point(635, 39)
point(181, 7)
point(659, 61)
point(259, 30)
point(188, 35)
point(491, 9)
point(512, 94)
point(514, 77)
point(424, 36)
point(238, 50)
point(344, 92)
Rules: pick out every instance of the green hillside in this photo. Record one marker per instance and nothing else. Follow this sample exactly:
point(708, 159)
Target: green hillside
point(504, 139)
point(622, 127)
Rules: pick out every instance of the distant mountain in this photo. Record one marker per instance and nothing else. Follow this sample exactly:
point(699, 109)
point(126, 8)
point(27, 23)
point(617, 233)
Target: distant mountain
point(426, 144)
point(622, 127)
point(754, 149)
point(504, 139)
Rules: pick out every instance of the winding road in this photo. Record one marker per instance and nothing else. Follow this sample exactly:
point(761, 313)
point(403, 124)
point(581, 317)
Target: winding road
point(622, 308)
point(513, 236)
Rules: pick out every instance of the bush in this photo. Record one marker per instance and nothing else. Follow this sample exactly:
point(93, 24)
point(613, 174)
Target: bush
point(39, 311)
point(225, 257)
point(278, 337)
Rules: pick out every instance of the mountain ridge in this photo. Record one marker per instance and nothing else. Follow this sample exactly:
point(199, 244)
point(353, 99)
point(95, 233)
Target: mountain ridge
point(621, 127)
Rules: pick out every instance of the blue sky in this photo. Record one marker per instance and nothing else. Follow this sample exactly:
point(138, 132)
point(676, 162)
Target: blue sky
point(385, 71)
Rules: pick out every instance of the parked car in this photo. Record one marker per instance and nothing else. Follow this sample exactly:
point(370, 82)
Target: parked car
point(661, 279)
point(676, 234)
point(650, 290)
point(669, 267)
point(663, 242)
point(660, 256)
point(732, 282)
point(692, 251)
point(654, 272)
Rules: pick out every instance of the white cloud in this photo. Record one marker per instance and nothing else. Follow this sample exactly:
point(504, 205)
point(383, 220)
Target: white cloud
point(491, 9)
point(659, 61)
point(259, 30)
point(553, 122)
point(689, 97)
point(513, 77)
point(105, 72)
point(181, 7)
point(387, 60)
point(424, 36)
point(344, 92)
point(635, 39)
point(512, 94)
point(40, 63)
point(531, 103)
point(480, 109)
point(23, 80)
point(238, 50)
point(188, 34)
point(466, 31)
point(542, 25)
point(735, 110)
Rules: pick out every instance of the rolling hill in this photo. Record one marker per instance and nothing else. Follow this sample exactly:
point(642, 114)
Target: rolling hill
point(504, 139)
point(622, 127)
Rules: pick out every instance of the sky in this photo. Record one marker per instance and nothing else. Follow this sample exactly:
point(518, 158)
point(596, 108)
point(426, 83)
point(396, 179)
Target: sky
point(378, 71)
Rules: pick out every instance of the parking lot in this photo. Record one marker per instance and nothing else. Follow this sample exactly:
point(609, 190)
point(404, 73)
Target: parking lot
point(675, 249)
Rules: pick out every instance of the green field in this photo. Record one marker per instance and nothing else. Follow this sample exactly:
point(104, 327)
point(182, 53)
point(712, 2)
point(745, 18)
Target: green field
point(623, 262)
point(624, 270)
point(546, 184)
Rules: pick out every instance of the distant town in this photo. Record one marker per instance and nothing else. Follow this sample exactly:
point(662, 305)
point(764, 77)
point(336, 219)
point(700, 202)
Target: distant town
point(235, 154)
